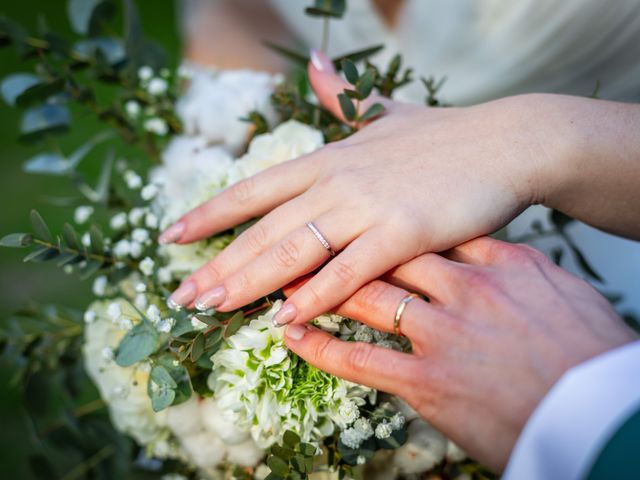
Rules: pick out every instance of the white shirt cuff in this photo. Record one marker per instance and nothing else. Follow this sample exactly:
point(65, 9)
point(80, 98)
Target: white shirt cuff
point(576, 419)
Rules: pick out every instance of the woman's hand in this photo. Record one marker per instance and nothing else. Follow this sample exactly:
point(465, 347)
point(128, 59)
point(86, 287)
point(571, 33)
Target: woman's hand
point(416, 180)
point(504, 323)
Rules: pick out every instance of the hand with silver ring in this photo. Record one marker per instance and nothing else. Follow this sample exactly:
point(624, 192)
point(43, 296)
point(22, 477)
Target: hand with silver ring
point(413, 181)
point(502, 325)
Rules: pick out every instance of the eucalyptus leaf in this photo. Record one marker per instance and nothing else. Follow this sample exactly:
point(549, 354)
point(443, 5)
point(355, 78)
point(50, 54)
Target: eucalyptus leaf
point(357, 55)
point(373, 111)
point(47, 163)
point(112, 49)
point(97, 240)
point(41, 254)
point(161, 388)
point(277, 465)
point(45, 118)
point(350, 71)
point(80, 13)
point(347, 107)
point(40, 92)
point(70, 237)
point(236, 321)
point(91, 267)
point(14, 85)
point(39, 226)
point(197, 349)
point(296, 57)
point(365, 83)
point(139, 342)
point(291, 439)
point(16, 240)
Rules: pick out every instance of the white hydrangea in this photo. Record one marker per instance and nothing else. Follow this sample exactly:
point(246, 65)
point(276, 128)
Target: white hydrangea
point(253, 380)
point(82, 214)
point(425, 448)
point(288, 140)
point(215, 101)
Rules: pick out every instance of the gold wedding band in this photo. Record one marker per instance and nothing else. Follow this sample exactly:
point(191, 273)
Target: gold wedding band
point(321, 238)
point(400, 310)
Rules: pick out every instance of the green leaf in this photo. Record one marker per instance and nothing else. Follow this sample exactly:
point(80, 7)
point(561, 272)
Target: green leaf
point(16, 240)
point(139, 342)
point(111, 49)
point(209, 320)
point(47, 163)
point(40, 228)
point(80, 13)
point(91, 267)
point(197, 349)
point(327, 8)
point(291, 55)
point(281, 452)
point(347, 107)
point(234, 324)
point(44, 119)
point(395, 440)
point(584, 263)
point(14, 85)
point(41, 254)
point(307, 449)
point(70, 237)
point(180, 376)
point(350, 71)
point(277, 465)
point(161, 388)
point(373, 111)
point(100, 193)
point(357, 55)
point(81, 152)
point(97, 240)
point(40, 92)
point(365, 84)
point(291, 439)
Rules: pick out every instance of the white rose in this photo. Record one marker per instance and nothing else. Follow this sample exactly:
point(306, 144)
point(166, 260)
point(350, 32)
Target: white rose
point(424, 448)
point(246, 454)
point(184, 419)
point(214, 421)
point(205, 449)
point(215, 101)
point(288, 140)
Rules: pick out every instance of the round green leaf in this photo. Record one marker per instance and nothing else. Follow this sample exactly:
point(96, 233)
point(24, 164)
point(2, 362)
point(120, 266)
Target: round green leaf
point(45, 118)
point(139, 342)
point(111, 48)
point(80, 13)
point(14, 85)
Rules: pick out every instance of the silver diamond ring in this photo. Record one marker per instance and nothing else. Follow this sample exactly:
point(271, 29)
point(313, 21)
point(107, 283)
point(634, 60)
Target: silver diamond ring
point(321, 238)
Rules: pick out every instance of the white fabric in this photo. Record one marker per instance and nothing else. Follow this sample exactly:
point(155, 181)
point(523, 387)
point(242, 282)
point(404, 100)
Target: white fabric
point(576, 419)
point(493, 48)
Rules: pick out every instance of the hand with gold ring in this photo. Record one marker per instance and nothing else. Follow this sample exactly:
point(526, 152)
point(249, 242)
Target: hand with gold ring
point(502, 325)
point(413, 181)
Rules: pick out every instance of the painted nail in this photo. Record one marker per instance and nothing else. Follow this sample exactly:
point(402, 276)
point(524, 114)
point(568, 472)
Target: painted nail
point(172, 234)
point(184, 295)
point(211, 299)
point(285, 315)
point(321, 62)
point(296, 332)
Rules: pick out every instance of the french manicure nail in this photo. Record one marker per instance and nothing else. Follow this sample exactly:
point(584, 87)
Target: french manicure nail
point(295, 332)
point(320, 61)
point(285, 315)
point(211, 299)
point(172, 234)
point(184, 295)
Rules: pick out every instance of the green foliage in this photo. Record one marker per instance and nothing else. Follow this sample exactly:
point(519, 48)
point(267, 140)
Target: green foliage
point(433, 87)
point(327, 8)
point(139, 342)
point(168, 384)
point(293, 459)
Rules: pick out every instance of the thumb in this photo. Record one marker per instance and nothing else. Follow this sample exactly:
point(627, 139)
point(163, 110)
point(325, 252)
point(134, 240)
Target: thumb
point(327, 84)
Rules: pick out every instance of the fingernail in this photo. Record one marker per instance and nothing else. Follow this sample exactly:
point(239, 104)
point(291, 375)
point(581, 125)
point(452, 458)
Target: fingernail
point(184, 295)
point(211, 299)
point(285, 315)
point(172, 234)
point(320, 61)
point(295, 332)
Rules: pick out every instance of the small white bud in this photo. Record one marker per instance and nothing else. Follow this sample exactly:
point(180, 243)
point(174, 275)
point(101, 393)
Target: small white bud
point(82, 214)
point(133, 108)
point(145, 73)
point(157, 86)
point(149, 191)
point(146, 266)
point(132, 179)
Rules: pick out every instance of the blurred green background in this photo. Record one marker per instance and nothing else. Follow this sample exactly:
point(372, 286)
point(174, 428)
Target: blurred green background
point(19, 193)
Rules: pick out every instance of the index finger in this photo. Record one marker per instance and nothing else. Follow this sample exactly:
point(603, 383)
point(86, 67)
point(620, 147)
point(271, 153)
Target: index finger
point(252, 197)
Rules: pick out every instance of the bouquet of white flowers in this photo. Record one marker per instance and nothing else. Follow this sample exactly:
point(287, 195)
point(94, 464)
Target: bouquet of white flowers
point(203, 394)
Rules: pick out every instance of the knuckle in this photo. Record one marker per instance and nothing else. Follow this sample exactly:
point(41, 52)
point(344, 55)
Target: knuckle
point(286, 253)
point(343, 271)
point(321, 349)
point(256, 238)
point(212, 271)
point(312, 293)
point(359, 357)
point(243, 191)
point(370, 296)
point(239, 283)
